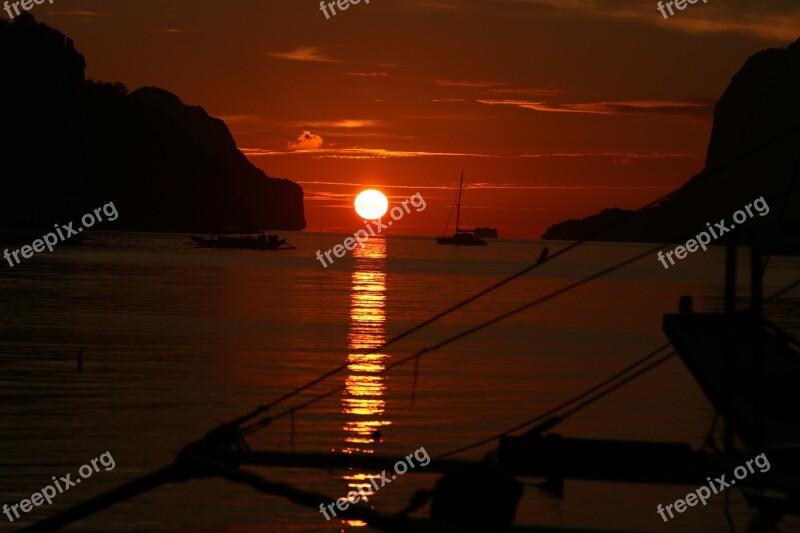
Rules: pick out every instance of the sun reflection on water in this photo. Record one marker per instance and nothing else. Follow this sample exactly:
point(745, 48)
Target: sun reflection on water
point(362, 402)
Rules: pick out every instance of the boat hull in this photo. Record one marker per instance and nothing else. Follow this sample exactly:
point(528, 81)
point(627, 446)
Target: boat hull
point(243, 243)
point(461, 239)
point(747, 367)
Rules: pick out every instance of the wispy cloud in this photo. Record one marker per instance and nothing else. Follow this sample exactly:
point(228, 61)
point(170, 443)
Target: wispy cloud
point(514, 186)
point(473, 84)
point(382, 153)
point(540, 91)
point(368, 74)
point(702, 107)
point(356, 153)
point(246, 117)
point(304, 53)
point(779, 27)
point(306, 141)
point(498, 88)
point(76, 13)
point(627, 155)
point(484, 185)
point(776, 20)
point(345, 123)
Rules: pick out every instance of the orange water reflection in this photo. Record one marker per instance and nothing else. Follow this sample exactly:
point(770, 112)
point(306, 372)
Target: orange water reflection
point(362, 402)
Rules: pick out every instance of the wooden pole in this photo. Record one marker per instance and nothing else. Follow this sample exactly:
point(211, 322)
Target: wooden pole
point(98, 503)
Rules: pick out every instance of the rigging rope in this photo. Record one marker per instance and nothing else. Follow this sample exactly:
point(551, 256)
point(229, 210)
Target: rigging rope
point(600, 385)
point(444, 232)
point(255, 426)
point(261, 409)
point(558, 408)
point(227, 432)
point(479, 327)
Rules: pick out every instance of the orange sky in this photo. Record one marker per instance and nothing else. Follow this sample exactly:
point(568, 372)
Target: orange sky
point(554, 109)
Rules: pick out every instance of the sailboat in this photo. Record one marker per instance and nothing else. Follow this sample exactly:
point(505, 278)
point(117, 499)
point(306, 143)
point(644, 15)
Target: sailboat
point(461, 237)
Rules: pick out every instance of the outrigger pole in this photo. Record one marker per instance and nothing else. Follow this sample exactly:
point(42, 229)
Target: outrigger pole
point(530, 455)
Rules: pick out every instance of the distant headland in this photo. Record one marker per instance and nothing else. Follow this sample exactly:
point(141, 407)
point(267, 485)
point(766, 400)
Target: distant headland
point(754, 151)
point(67, 144)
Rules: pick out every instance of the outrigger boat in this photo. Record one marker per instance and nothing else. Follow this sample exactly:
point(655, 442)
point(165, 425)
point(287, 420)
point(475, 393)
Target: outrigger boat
point(247, 242)
point(746, 365)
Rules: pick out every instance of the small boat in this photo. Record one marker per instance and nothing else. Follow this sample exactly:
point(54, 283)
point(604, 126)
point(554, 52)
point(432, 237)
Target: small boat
point(247, 242)
point(461, 237)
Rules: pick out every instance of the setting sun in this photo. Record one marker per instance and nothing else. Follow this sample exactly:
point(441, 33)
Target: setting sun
point(371, 204)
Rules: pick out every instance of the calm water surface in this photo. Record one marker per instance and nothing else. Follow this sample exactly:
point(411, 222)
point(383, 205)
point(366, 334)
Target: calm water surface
point(178, 339)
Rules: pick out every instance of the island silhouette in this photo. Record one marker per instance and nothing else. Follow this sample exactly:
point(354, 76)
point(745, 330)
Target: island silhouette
point(754, 151)
point(69, 144)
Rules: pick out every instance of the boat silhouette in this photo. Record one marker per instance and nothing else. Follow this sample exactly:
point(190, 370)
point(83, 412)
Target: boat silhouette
point(486, 233)
point(461, 237)
point(246, 242)
point(745, 364)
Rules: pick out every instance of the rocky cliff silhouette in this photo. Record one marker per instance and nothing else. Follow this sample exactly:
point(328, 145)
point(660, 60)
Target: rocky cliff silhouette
point(69, 145)
point(754, 151)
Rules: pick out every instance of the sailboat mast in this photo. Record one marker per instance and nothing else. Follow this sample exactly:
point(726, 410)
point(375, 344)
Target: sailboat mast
point(458, 209)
